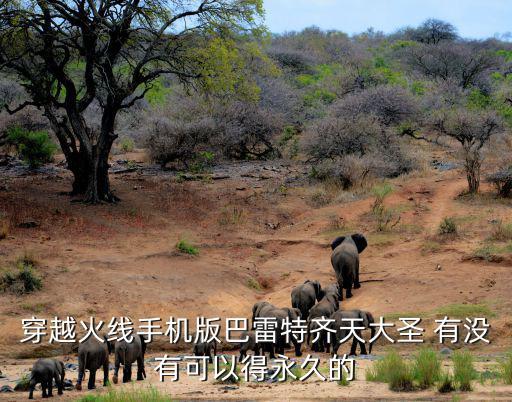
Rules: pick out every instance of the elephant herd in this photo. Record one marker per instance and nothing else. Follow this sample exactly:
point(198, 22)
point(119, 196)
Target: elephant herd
point(309, 301)
point(92, 355)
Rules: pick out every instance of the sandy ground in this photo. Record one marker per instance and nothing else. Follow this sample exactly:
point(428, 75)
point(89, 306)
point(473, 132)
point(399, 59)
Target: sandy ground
point(257, 224)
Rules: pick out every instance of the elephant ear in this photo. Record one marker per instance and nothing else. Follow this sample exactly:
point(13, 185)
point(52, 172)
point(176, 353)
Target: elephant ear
point(110, 347)
point(360, 242)
point(366, 318)
point(337, 242)
point(318, 290)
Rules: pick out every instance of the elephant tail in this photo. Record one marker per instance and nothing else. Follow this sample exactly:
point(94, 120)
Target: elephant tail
point(143, 344)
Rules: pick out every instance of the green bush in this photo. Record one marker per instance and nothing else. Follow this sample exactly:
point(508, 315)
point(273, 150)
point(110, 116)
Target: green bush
point(463, 370)
point(22, 279)
point(34, 147)
point(506, 369)
point(448, 226)
point(132, 395)
point(445, 383)
point(127, 144)
point(426, 368)
point(394, 370)
point(184, 246)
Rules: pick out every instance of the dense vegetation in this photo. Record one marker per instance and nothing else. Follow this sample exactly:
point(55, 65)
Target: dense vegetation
point(355, 106)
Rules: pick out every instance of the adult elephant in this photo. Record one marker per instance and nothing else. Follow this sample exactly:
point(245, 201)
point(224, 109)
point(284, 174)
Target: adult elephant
point(305, 296)
point(93, 355)
point(266, 310)
point(342, 319)
point(127, 353)
point(345, 261)
point(323, 310)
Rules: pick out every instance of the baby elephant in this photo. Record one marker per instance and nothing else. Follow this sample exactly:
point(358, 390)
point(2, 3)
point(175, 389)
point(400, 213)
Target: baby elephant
point(127, 354)
point(44, 372)
point(250, 344)
point(205, 349)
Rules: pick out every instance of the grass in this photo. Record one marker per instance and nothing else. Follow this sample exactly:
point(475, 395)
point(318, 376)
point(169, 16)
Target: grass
point(253, 284)
point(466, 310)
point(394, 370)
point(445, 383)
point(448, 226)
point(232, 216)
point(34, 308)
point(23, 278)
point(463, 370)
point(133, 395)
point(426, 368)
point(430, 246)
point(506, 369)
point(183, 246)
point(127, 144)
point(490, 251)
point(502, 231)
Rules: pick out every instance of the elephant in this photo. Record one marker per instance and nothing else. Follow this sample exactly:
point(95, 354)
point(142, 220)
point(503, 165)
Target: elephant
point(44, 371)
point(260, 308)
point(205, 349)
point(324, 308)
point(345, 261)
point(305, 296)
point(93, 355)
point(250, 344)
point(126, 353)
point(279, 314)
point(338, 316)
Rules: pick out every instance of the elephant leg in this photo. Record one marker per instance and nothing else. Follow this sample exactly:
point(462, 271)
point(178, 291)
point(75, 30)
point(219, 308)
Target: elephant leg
point(321, 348)
point(31, 388)
point(50, 387)
point(81, 373)
point(127, 372)
point(59, 384)
point(348, 290)
point(140, 368)
point(353, 347)
point(362, 345)
point(357, 284)
point(44, 386)
point(105, 373)
point(335, 345)
point(92, 379)
point(117, 364)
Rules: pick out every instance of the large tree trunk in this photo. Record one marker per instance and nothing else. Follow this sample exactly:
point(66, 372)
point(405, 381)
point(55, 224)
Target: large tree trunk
point(473, 165)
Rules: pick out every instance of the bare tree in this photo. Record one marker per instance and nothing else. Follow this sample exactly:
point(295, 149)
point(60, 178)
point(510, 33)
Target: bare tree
point(433, 31)
point(71, 54)
point(467, 63)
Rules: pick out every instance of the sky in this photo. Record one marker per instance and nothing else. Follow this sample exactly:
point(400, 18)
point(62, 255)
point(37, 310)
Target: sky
point(474, 19)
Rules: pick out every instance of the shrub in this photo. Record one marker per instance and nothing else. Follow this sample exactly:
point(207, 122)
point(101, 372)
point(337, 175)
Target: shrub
point(34, 147)
point(177, 141)
point(447, 226)
point(445, 383)
point(132, 395)
point(502, 181)
point(253, 284)
point(385, 217)
point(394, 370)
point(426, 368)
point(127, 144)
point(463, 370)
point(185, 247)
point(506, 369)
point(22, 279)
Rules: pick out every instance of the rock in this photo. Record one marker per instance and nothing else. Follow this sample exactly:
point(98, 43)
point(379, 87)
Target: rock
point(229, 388)
point(446, 351)
point(28, 224)
point(5, 389)
point(439, 267)
point(71, 366)
point(22, 384)
point(68, 384)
